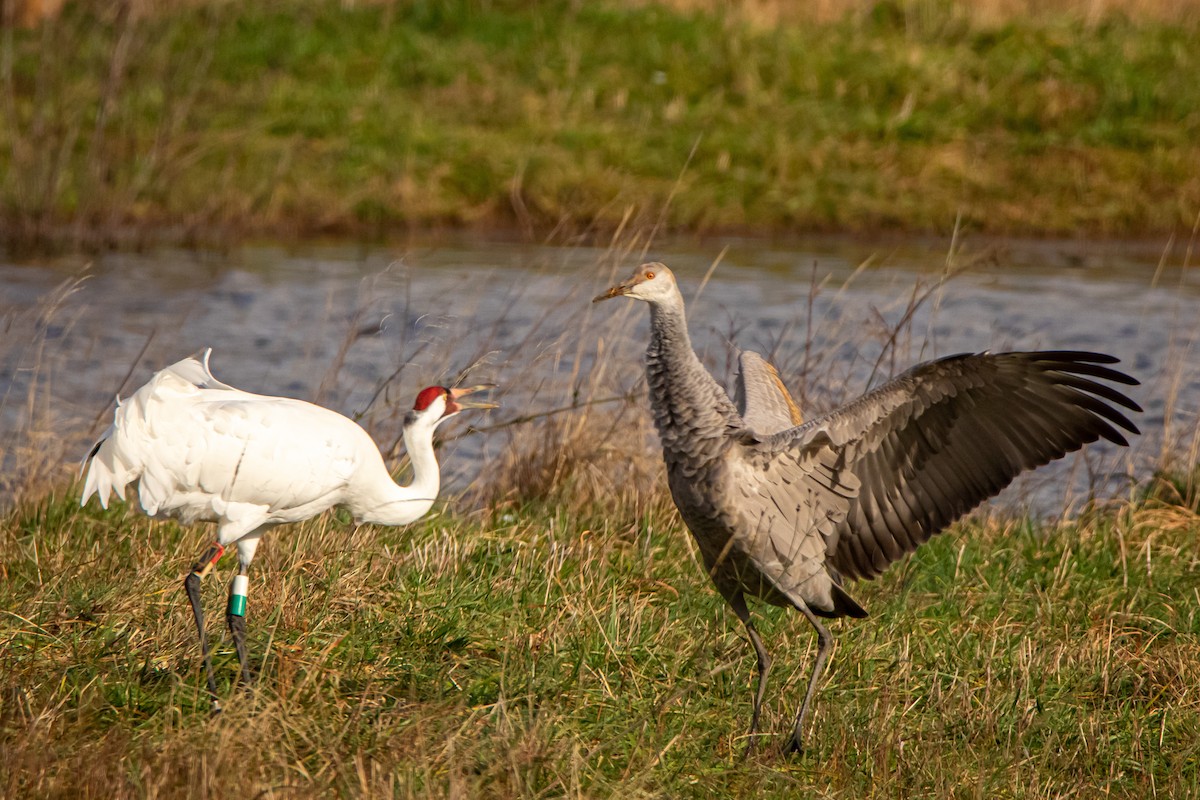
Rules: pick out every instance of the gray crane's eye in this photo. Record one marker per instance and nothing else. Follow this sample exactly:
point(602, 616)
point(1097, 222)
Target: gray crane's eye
point(649, 276)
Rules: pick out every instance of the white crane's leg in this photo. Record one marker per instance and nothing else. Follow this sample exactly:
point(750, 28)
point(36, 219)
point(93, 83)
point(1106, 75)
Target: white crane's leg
point(824, 641)
point(191, 585)
point(738, 603)
point(235, 611)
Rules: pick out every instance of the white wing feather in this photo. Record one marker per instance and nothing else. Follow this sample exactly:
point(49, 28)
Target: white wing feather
point(201, 450)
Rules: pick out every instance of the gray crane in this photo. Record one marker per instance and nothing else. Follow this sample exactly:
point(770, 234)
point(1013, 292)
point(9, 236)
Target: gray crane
point(785, 511)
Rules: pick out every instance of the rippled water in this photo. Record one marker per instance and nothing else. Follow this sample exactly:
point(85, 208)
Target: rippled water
point(362, 330)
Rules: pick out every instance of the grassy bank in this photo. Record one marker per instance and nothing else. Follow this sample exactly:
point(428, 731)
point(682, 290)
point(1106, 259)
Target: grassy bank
point(562, 649)
point(218, 120)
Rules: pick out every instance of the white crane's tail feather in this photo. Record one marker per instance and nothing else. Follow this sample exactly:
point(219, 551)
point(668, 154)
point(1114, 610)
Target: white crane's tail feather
point(100, 470)
point(120, 457)
point(194, 371)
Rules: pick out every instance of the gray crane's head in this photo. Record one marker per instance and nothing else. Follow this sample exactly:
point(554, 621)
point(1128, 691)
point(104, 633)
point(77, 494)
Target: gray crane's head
point(436, 404)
point(652, 282)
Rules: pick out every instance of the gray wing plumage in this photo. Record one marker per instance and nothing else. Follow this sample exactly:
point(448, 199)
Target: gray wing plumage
point(761, 398)
point(793, 504)
point(935, 442)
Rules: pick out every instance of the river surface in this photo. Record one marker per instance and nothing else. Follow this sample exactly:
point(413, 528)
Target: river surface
point(363, 329)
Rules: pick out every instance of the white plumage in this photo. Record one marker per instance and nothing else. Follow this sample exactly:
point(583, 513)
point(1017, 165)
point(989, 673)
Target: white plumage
point(200, 450)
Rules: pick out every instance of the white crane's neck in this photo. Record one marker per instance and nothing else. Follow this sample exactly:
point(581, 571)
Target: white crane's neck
point(689, 405)
point(391, 504)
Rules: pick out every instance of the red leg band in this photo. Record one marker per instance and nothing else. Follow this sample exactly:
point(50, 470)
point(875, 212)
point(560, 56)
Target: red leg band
point(211, 556)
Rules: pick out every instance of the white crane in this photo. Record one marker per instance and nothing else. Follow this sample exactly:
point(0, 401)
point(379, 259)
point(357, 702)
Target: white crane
point(202, 451)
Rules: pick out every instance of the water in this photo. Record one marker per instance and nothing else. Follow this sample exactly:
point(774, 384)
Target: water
point(362, 330)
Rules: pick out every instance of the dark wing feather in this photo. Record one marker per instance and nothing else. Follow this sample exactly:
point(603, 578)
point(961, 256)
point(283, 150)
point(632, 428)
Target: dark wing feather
point(761, 398)
point(930, 445)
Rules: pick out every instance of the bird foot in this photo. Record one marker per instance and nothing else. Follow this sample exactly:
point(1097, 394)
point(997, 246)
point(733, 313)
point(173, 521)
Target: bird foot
point(246, 683)
point(793, 746)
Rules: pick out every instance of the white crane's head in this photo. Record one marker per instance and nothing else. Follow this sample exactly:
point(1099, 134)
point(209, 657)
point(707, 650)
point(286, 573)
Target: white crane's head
point(651, 282)
point(436, 404)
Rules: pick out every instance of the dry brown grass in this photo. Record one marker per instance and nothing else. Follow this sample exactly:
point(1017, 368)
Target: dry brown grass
point(593, 457)
point(769, 13)
point(551, 651)
point(42, 434)
point(775, 12)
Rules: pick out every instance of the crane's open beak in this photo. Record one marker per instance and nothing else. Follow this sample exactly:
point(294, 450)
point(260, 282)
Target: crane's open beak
point(456, 396)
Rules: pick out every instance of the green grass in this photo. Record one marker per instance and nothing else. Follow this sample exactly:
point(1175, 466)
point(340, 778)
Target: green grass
point(555, 650)
point(291, 118)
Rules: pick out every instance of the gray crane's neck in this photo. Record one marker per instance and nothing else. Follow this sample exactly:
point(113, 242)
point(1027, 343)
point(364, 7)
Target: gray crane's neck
point(692, 412)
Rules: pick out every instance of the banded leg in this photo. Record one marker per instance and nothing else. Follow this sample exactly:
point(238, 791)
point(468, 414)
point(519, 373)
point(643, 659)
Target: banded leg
point(737, 601)
point(235, 618)
point(191, 585)
point(824, 642)
point(235, 611)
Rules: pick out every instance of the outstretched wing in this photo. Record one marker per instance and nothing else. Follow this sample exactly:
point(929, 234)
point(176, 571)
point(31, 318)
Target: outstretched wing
point(761, 398)
point(935, 442)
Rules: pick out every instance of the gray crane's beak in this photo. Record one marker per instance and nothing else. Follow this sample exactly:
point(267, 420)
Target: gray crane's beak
point(457, 394)
point(616, 291)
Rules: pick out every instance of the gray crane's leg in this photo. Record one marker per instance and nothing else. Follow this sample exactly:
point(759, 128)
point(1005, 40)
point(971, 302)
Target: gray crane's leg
point(191, 585)
point(824, 641)
point(235, 611)
point(738, 602)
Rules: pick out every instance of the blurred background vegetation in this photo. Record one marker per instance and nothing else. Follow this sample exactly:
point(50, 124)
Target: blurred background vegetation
point(202, 120)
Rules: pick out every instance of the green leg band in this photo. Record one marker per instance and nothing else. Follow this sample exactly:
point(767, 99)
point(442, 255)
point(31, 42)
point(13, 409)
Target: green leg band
point(237, 595)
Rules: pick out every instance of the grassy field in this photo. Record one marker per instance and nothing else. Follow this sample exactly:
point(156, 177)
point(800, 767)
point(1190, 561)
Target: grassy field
point(216, 120)
point(550, 633)
point(552, 648)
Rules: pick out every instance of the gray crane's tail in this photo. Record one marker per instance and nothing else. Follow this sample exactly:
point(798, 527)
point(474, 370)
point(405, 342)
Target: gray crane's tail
point(843, 604)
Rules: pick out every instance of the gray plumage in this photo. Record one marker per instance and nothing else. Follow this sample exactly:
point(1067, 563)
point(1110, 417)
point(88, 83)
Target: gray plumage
point(761, 397)
point(781, 510)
